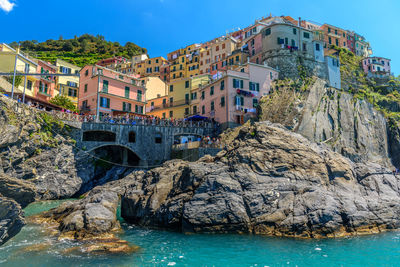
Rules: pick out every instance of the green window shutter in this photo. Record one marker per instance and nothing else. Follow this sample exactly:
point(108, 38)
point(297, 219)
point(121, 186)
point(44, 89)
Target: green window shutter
point(108, 103)
point(129, 107)
point(105, 86)
point(123, 106)
point(241, 84)
point(127, 91)
point(257, 87)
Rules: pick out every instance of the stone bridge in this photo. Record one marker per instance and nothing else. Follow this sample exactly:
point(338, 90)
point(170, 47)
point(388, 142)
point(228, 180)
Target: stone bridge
point(134, 145)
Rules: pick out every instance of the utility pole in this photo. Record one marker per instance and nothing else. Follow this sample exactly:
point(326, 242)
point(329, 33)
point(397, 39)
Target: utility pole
point(15, 72)
point(26, 77)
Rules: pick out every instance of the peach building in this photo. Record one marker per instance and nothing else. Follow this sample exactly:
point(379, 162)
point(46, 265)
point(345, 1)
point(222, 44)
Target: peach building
point(233, 99)
point(46, 86)
point(104, 91)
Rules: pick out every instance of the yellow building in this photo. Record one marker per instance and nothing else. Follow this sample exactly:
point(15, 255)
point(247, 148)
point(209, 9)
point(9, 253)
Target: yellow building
point(155, 87)
point(24, 63)
point(182, 97)
point(184, 62)
point(67, 85)
point(149, 67)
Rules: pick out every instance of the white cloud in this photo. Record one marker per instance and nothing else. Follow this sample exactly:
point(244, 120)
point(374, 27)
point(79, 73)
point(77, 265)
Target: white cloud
point(6, 5)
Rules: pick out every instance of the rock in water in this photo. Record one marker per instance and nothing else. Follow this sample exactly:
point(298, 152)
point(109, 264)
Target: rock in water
point(268, 181)
point(91, 217)
point(11, 219)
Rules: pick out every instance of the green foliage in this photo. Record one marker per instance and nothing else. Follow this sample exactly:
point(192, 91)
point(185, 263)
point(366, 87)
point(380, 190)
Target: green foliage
point(64, 102)
point(382, 95)
point(18, 80)
point(80, 51)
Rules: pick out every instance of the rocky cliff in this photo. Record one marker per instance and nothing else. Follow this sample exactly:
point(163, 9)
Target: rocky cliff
point(349, 125)
point(268, 181)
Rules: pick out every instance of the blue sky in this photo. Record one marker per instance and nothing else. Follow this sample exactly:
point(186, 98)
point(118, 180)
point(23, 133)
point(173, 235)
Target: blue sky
point(162, 26)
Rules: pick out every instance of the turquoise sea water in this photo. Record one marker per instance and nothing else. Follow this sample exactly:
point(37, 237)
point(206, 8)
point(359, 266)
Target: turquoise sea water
point(163, 248)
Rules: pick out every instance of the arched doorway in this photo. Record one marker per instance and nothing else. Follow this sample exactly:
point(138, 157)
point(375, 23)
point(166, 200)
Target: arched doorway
point(120, 155)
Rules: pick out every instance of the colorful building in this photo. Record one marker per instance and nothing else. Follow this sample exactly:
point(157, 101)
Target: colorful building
point(45, 87)
point(149, 67)
point(335, 36)
point(112, 62)
point(232, 99)
point(362, 47)
point(376, 66)
point(182, 95)
point(105, 91)
point(67, 85)
point(8, 56)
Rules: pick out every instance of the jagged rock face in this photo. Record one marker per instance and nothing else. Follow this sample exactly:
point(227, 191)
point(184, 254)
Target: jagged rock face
point(21, 191)
point(11, 219)
point(43, 157)
point(349, 126)
point(268, 181)
point(394, 143)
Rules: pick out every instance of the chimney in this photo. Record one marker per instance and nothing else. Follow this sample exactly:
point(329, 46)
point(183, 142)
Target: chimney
point(299, 21)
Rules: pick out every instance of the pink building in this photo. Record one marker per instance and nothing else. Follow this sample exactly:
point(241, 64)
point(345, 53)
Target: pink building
point(112, 62)
point(104, 91)
point(232, 99)
point(376, 66)
point(254, 46)
point(46, 85)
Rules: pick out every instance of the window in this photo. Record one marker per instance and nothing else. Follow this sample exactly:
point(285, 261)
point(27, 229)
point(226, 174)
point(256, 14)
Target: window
point(317, 47)
point(212, 90)
point(86, 72)
point(336, 32)
point(329, 30)
point(239, 100)
point(139, 109)
point(126, 106)
point(330, 40)
point(267, 31)
point(132, 137)
point(85, 104)
point(255, 102)
point(186, 98)
point(71, 92)
point(163, 115)
point(194, 109)
point(304, 47)
point(223, 46)
point(337, 42)
point(158, 138)
point(186, 111)
point(139, 95)
point(203, 109)
point(281, 41)
point(85, 90)
point(237, 83)
point(127, 91)
point(121, 77)
point(104, 102)
point(254, 86)
point(156, 60)
point(306, 35)
point(171, 113)
point(222, 103)
point(212, 106)
point(222, 87)
point(187, 84)
point(202, 95)
point(217, 48)
point(171, 87)
point(294, 31)
point(29, 85)
point(105, 86)
point(171, 101)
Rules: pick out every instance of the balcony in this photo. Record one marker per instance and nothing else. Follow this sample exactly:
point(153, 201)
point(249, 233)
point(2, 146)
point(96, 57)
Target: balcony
point(334, 35)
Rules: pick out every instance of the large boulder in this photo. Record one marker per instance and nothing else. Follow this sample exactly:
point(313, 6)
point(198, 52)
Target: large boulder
point(21, 191)
point(268, 181)
point(91, 217)
point(11, 219)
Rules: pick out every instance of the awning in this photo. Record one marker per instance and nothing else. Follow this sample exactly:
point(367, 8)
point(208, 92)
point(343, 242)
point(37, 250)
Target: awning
point(196, 118)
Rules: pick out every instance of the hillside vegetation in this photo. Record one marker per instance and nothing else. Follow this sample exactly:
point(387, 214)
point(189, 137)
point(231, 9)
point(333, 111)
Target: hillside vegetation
point(80, 51)
point(384, 94)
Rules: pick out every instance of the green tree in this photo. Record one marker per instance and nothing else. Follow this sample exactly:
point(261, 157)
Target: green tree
point(64, 102)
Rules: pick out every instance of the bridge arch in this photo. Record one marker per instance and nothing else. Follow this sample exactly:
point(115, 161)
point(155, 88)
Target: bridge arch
point(115, 153)
point(99, 136)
